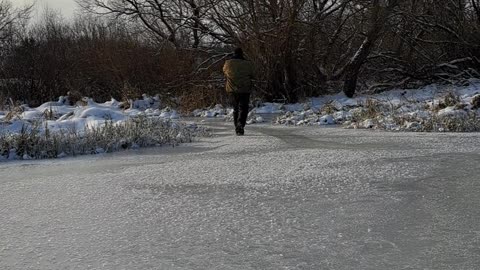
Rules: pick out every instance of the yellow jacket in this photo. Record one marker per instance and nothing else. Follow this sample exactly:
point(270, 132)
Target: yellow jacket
point(239, 74)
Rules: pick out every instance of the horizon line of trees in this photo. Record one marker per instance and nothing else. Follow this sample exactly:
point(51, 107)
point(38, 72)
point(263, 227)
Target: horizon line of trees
point(175, 48)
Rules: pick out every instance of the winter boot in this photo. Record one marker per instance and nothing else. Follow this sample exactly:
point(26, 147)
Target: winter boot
point(240, 131)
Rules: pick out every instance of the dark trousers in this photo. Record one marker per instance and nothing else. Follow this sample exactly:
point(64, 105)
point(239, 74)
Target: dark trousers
point(239, 102)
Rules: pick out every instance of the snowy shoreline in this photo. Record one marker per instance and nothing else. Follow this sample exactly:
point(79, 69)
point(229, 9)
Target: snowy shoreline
point(57, 129)
point(433, 108)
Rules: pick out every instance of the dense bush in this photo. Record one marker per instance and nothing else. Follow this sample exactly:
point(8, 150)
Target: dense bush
point(299, 48)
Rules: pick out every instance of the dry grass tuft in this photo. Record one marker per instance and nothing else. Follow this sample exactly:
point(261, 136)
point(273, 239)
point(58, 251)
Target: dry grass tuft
point(35, 142)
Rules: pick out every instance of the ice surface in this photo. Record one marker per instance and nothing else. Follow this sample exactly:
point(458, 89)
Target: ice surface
point(278, 198)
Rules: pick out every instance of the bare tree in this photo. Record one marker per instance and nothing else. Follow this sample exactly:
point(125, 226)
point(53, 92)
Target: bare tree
point(299, 47)
point(380, 12)
point(10, 17)
point(181, 23)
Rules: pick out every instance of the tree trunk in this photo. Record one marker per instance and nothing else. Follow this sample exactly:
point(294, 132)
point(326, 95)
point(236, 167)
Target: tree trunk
point(350, 84)
point(353, 68)
point(379, 19)
point(196, 25)
point(275, 83)
point(477, 10)
point(290, 75)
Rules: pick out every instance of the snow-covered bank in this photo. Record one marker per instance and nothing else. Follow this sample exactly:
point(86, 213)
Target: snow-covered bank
point(432, 108)
point(56, 129)
point(60, 115)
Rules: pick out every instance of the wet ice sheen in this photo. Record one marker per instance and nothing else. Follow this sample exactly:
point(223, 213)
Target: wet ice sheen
point(279, 198)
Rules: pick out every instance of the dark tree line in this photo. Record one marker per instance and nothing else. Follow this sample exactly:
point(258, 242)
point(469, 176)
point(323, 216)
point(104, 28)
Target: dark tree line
point(300, 48)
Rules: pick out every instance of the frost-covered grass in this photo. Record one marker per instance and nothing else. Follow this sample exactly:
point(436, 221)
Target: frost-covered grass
point(37, 142)
point(430, 109)
point(447, 120)
point(58, 129)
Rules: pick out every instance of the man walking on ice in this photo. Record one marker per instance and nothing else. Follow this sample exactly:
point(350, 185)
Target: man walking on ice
point(239, 74)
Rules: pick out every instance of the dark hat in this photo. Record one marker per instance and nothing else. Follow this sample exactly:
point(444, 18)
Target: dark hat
point(238, 52)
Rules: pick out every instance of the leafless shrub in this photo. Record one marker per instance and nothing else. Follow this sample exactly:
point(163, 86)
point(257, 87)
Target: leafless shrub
point(476, 102)
point(75, 98)
point(329, 108)
point(469, 122)
point(299, 48)
point(14, 112)
point(369, 110)
point(201, 97)
point(449, 100)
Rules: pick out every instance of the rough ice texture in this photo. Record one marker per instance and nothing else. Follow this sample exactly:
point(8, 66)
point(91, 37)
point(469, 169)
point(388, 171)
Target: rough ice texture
point(278, 198)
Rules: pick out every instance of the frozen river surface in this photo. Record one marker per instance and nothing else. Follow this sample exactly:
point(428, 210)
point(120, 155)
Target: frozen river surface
point(278, 198)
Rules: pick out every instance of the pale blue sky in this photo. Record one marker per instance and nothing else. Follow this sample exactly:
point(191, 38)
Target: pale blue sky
point(66, 7)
